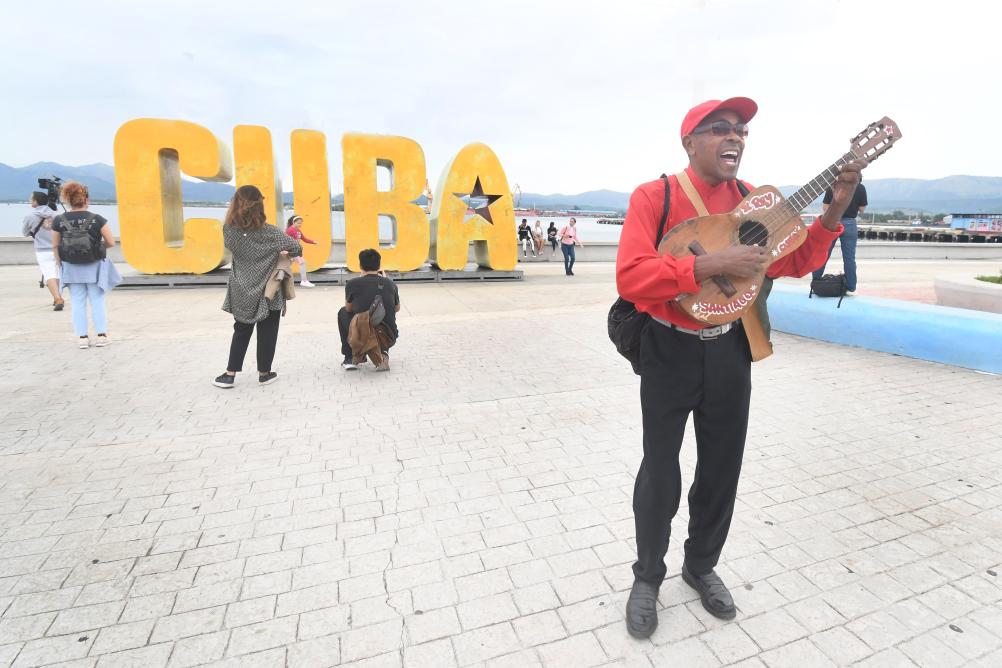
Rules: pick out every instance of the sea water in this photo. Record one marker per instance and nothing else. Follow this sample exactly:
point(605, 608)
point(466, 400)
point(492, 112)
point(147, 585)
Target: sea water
point(589, 229)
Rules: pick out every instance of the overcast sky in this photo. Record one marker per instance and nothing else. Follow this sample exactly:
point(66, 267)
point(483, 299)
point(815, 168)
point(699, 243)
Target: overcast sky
point(572, 96)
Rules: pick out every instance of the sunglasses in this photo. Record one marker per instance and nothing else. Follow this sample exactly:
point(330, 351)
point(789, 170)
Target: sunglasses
point(722, 129)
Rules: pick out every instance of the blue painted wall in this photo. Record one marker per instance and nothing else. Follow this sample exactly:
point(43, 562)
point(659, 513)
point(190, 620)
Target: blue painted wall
point(961, 337)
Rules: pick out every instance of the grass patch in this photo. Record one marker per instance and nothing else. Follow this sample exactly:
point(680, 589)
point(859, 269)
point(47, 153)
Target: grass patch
point(991, 279)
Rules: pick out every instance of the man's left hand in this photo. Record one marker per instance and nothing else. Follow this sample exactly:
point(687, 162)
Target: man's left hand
point(842, 193)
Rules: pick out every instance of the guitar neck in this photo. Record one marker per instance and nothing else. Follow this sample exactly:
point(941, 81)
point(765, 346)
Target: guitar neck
point(799, 200)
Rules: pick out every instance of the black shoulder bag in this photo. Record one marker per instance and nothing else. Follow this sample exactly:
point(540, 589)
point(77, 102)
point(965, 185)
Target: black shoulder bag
point(626, 323)
point(829, 285)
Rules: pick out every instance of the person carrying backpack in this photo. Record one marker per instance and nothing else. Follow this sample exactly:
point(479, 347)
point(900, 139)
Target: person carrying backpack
point(38, 226)
point(376, 295)
point(79, 243)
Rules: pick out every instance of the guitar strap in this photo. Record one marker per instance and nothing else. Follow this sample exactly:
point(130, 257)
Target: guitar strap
point(755, 331)
point(691, 192)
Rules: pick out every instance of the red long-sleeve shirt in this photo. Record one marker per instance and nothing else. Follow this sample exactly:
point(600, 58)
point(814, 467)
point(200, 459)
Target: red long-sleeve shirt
point(297, 233)
point(653, 281)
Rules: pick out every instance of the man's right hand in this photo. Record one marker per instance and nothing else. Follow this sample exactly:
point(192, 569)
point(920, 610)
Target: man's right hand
point(740, 261)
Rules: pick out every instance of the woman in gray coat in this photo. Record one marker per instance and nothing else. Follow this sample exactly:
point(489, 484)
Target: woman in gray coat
point(255, 246)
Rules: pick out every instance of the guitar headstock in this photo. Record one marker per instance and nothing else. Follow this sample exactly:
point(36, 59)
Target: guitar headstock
point(875, 140)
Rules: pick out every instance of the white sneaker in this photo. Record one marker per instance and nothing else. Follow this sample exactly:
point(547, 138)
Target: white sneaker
point(83, 342)
point(102, 341)
point(306, 284)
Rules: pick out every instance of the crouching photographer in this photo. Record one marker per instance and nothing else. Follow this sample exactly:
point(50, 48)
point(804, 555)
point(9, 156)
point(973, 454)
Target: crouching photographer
point(38, 225)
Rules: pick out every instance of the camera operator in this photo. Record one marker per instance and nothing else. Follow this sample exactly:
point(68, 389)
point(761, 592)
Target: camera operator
point(38, 225)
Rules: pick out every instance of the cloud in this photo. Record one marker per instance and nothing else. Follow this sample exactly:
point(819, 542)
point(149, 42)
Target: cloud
point(572, 96)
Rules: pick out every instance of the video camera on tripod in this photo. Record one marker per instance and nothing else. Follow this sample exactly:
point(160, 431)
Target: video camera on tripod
point(52, 187)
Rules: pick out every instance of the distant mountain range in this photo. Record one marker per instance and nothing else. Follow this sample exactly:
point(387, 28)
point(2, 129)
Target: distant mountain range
point(951, 194)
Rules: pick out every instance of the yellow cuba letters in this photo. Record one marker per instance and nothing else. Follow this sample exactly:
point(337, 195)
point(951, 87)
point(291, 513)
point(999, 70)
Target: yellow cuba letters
point(149, 156)
point(364, 203)
point(256, 167)
point(472, 201)
point(312, 195)
point(477, 172)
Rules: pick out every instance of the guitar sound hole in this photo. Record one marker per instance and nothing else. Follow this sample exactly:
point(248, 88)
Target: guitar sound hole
point(753, 232)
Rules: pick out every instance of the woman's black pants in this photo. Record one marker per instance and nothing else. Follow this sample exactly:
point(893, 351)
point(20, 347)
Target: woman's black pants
point(267, 337)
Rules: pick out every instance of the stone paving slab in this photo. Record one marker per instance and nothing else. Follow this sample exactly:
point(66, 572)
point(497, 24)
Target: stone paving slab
point(472, 506)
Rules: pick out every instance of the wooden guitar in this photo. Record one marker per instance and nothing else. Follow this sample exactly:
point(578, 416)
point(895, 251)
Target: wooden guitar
point(765, 218)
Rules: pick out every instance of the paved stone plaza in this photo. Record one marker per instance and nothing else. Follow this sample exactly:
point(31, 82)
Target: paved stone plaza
point(472, 506)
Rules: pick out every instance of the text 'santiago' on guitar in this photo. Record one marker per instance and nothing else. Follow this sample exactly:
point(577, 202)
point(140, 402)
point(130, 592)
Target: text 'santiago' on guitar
point(766, 218)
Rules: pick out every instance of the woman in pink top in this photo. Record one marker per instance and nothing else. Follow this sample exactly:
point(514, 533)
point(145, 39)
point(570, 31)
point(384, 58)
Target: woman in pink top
point(568, 240)
point(295, 231)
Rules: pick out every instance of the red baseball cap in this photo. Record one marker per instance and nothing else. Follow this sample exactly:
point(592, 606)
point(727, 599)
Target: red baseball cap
point(744, 107)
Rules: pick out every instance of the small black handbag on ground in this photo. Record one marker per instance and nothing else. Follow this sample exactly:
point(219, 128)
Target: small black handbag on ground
point(829, 285)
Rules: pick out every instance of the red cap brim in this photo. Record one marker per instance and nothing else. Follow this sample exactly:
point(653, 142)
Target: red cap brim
point(744, 107)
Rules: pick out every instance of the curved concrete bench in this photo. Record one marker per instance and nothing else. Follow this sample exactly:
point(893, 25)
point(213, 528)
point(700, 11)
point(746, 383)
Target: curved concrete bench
point(960, 337)
point(965, 291)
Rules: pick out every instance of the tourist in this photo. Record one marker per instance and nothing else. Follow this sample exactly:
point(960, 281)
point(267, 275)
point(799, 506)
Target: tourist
point(255, 246)
point(428, 195)
point(359, 295)
point(687, 367)
point(568, 240)
point(551, 236)
point(525, 238)
point(295, 230)
point(850, 234)
point(537, 236)
point(79, 241)
point(38, 225)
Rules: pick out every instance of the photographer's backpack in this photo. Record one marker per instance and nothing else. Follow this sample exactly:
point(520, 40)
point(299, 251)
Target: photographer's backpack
point(77, 245)
point(829, 285)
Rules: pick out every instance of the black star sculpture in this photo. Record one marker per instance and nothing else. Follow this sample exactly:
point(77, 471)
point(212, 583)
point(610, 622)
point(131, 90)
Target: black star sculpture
point(479, 201)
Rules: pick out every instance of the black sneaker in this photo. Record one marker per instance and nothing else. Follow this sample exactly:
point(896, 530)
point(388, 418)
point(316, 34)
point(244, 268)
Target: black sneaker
point(348, 364)
point(267, 378)
point(225, 381)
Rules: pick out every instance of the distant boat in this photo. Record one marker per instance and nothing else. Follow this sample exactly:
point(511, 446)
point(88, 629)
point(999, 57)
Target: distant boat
point(610, 221)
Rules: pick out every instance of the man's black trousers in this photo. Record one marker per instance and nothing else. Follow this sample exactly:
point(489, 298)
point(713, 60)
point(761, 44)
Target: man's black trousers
point(682, 374)
point(343, 324)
